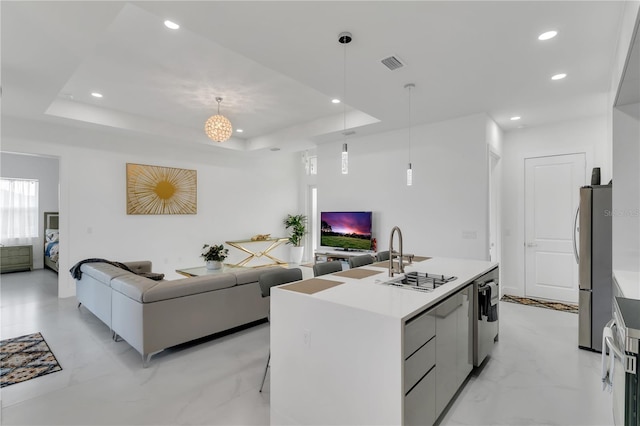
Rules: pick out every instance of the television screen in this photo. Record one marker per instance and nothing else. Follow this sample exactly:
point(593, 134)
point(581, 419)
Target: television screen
point(346, 230)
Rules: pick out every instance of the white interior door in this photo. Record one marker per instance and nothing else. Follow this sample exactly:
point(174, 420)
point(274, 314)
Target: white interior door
point(551, 197)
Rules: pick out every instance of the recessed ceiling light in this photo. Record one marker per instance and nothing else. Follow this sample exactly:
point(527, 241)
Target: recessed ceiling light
point(547, 35)
point(559, 76)
point(335, 101)
point(96, 94)
point(171, 25)
point(239, 130)
point(517, 117)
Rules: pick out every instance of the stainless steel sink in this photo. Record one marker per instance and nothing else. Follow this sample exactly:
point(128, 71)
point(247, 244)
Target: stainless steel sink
point(420, 281)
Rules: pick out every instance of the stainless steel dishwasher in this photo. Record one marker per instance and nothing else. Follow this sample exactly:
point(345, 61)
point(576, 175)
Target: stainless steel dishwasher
point(486, 295)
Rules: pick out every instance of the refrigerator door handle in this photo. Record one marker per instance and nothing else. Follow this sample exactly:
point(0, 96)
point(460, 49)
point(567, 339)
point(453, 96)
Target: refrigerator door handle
point(575, 228)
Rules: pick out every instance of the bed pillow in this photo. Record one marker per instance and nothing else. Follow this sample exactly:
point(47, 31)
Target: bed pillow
point(51, 235)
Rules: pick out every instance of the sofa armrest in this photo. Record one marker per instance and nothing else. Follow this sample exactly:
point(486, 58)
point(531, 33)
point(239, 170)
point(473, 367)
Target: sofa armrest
point(139, 266)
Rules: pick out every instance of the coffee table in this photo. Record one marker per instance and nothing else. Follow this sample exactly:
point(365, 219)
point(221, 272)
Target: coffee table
point(273, 243)
point(201, 270)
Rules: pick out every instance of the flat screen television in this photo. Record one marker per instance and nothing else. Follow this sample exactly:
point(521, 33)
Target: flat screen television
point(346, 230)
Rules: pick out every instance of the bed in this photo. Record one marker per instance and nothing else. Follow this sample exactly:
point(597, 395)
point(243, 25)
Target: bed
point(51, 237)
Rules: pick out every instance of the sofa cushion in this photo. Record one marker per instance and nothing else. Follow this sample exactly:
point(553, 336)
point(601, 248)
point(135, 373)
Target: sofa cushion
point(188, 286)
point(252, 275)
point(140, 266)
point(133, 286)
point(102, 272)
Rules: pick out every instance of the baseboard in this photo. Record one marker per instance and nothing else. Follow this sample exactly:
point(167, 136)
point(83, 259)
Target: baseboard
point(512, 291)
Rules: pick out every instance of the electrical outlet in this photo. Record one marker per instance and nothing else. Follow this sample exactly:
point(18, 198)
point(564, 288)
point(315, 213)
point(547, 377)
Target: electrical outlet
point(306, 337)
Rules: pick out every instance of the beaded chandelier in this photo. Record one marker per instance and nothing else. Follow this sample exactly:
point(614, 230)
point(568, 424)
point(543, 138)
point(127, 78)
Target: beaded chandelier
point(218, 127)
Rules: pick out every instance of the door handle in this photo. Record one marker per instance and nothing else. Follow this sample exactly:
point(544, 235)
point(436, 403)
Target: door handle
point(532, 245)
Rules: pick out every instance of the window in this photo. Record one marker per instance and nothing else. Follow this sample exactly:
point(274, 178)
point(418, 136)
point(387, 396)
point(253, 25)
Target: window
point(310, 163)
point(19, 208)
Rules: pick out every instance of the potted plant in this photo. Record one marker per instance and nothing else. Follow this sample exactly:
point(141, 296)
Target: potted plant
point(214, 255)
point(298, 229)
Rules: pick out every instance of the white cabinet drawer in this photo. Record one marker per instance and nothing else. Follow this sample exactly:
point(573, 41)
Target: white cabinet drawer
point(417, 332)
point(420, 403)
point(417, 365)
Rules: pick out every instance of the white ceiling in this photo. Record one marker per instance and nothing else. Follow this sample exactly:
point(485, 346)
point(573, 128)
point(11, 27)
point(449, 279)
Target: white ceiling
point(278, 65)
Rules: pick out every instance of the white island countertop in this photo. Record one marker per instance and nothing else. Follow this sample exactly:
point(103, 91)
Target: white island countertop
point(629, 283)
point(369, 294)
point(338, 350)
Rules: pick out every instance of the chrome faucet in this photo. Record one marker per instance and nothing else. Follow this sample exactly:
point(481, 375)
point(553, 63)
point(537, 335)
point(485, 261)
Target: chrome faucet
point(400, 269)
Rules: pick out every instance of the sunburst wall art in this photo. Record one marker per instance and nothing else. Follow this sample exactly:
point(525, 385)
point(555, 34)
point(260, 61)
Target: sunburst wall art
point(161, 190)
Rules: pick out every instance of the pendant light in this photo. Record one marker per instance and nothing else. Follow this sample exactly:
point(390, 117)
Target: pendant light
point(345, 38)
point(218, 127)
point(409, 86)
point(345, 159)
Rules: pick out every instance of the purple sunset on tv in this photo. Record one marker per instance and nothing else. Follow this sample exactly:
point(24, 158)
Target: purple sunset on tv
point(346, 230)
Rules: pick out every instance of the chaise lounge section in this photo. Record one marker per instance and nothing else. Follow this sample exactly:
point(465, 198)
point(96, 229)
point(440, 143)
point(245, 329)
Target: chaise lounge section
point(155, 315)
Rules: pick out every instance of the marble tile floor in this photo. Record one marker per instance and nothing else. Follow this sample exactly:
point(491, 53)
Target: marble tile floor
point(535, 376)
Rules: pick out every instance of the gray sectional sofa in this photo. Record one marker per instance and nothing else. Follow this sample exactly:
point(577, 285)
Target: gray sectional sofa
point(154, 315)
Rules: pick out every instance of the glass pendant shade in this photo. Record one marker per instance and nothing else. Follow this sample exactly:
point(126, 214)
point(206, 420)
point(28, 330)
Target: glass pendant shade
point(345, 160)
point(218, 128)
point(409, 175)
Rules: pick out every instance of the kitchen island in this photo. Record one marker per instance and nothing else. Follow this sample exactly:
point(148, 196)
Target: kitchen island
point(346, 348)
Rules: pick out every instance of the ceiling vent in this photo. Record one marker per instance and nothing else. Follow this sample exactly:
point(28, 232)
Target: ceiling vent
point(392, 62)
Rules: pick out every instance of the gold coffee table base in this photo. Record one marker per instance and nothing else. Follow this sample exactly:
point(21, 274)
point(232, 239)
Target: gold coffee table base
point(275, 242)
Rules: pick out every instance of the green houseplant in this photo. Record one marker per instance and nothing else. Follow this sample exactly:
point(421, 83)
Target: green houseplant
point(214, 255)
point(297, 226)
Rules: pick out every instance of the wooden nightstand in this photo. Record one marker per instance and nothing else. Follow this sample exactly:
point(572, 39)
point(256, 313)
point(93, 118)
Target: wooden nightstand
point(16, 258)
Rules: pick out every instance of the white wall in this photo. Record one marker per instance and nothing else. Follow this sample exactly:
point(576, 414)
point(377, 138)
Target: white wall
point(626, 146)
point(627, 25)
point(45, 169)
point(236, 199)
point(588, 135)
point(495, 141)
point(449, 192)
point(626, 188)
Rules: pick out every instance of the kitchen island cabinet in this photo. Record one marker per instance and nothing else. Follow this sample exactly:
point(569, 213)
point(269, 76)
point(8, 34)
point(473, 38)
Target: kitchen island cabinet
point(363, 352)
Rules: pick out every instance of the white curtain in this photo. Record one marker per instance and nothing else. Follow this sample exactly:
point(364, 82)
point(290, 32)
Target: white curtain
point(19, 209)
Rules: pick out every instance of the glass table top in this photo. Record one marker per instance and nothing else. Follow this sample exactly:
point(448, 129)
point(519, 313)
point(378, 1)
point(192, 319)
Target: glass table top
point(202, 270)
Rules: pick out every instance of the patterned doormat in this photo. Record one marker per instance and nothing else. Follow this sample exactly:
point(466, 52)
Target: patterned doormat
point(24, 358)
point(564, 307)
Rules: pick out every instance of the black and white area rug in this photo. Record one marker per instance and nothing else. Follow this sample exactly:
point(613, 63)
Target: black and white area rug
point(564, 307)
point(24, 358)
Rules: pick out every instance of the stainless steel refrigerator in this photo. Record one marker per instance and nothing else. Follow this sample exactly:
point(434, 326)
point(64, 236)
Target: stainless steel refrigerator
point(594, 260)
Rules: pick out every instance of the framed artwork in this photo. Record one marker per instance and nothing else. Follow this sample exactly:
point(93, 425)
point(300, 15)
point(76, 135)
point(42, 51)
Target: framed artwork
point(161, 190)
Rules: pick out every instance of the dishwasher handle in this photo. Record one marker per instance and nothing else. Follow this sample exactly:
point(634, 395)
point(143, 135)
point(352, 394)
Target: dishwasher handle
point(608, 361)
